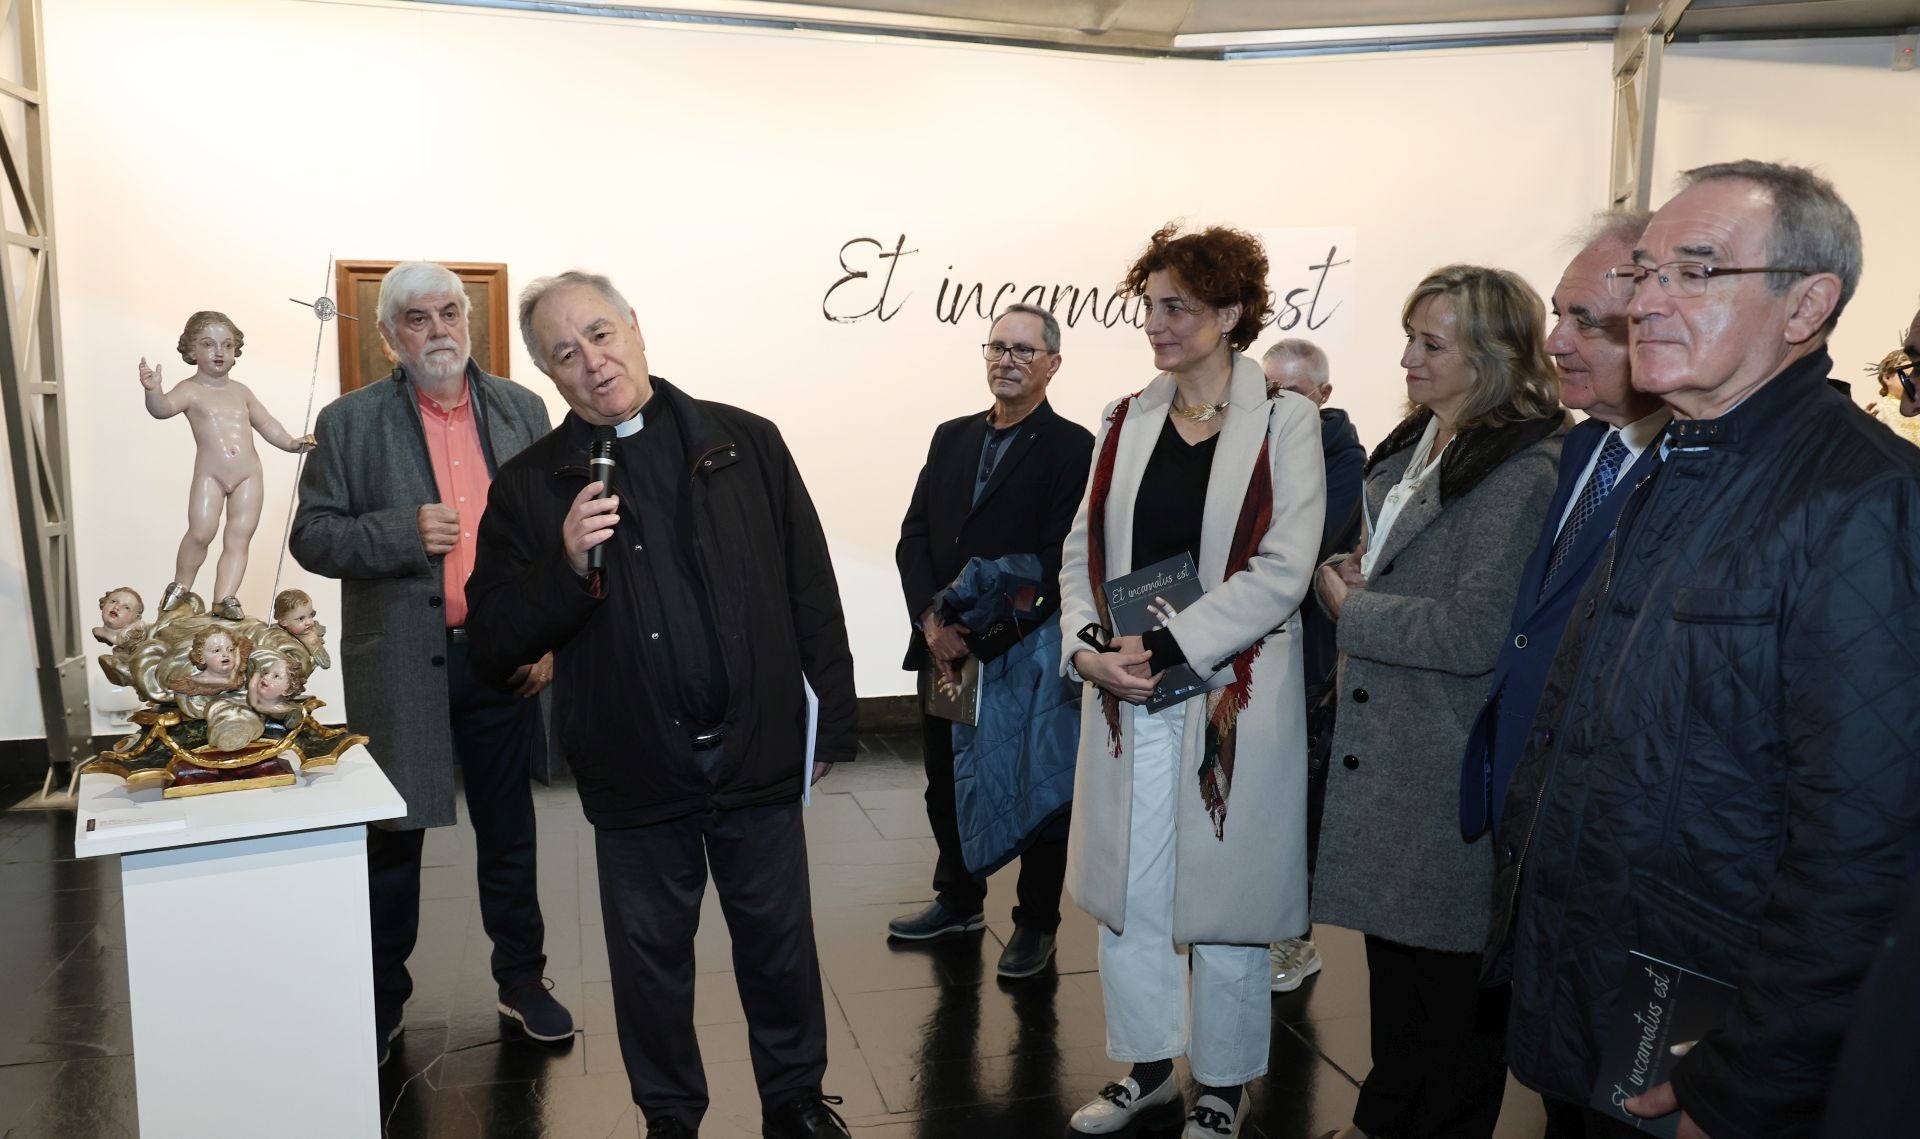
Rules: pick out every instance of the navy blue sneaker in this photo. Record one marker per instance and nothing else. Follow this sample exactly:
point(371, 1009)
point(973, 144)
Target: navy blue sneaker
point(540, 1016)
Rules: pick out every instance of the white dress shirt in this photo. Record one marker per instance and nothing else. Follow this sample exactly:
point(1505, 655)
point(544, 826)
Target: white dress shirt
point(1416, 476)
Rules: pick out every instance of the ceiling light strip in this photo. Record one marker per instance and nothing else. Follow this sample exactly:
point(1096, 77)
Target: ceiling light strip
point(1434, 34)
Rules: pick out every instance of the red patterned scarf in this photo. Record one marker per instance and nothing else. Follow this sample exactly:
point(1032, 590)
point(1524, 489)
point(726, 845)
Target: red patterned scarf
point(1223, 704)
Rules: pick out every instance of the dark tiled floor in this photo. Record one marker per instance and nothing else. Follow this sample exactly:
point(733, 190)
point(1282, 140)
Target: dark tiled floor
point(925, 1041)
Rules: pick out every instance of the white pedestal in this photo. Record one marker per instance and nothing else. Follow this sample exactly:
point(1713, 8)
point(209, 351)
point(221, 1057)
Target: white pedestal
point(248, 951)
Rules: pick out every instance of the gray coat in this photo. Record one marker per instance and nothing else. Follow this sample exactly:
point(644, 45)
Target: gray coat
point(1419, 645)
point(360, 497)
point(1250, 885)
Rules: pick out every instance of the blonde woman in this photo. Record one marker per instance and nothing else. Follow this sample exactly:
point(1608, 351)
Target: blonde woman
point(1454, 500)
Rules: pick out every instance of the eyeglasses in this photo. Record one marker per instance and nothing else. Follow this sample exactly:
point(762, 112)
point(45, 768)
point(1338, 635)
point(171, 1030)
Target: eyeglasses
point(1678, 278)
point(1021, 353)
point(1905, 374)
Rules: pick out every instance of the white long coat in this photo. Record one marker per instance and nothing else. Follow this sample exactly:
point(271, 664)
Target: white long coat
point(1250, 887)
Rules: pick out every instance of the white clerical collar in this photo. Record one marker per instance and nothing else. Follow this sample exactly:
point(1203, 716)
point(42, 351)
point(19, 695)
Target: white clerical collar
point(631, 426)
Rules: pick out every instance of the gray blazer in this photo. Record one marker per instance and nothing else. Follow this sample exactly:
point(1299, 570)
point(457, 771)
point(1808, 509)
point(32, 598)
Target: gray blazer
point(1419, 646)
point(360, 497)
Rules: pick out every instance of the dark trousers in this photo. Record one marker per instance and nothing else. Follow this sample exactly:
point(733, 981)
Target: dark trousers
point(651, 882)
point(495, 736)
point(1577, 1121)
point(1439, 1046)
point(1043, 865)
point(1320, 709)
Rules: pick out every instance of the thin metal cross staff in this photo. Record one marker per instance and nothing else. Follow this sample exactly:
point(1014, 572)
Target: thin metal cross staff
point(325, 310)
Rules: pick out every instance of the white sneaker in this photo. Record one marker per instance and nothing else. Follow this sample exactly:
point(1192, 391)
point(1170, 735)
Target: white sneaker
point(1211, 1118)
point(1294, 960)
point(1119, 1103)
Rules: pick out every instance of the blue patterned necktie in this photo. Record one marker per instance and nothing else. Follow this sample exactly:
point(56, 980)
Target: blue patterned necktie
point(1606, 472)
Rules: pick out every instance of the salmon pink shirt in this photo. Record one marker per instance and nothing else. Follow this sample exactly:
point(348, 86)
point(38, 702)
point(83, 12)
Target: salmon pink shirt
point(460, 473)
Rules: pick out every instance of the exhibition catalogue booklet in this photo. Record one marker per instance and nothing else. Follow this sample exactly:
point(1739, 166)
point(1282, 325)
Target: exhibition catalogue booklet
point(1142, 600)
point(1660, 1005)
point(960, 703)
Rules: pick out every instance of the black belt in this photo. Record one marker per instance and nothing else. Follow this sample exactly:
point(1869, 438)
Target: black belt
point(709, 739)
point(457, 634)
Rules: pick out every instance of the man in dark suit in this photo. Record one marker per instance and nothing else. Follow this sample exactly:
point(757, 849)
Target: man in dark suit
point(1601, 461)
point(1006, 482)
point(1300, 366)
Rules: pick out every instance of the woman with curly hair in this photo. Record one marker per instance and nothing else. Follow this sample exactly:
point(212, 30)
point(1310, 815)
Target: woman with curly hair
point(1893, 373)
point(1454, 499)
point(1190, 823)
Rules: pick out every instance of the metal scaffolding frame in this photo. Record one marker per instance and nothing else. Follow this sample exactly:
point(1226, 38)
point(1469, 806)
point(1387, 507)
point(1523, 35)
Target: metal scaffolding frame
point(34, 393)
point(1639, 47)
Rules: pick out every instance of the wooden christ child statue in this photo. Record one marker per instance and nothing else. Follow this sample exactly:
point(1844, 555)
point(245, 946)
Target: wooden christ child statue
point(226, 469)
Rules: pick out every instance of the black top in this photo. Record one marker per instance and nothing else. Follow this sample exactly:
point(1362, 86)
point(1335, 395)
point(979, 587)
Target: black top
point(1713, 791)
point(1171, 498)
point(1167, 510)
point(651, 477)
point(776, 614)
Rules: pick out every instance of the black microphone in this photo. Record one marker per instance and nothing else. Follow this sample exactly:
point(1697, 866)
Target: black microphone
point(600, 470)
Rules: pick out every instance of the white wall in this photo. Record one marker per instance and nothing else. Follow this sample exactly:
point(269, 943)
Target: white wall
point(1835, 105)
point(213, 153)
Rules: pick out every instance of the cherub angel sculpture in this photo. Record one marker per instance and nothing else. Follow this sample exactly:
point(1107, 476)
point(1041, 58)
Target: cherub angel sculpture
point(226, 709)
point(293, 612)
point(227, 476)
point(121, 611)
point(122, 626)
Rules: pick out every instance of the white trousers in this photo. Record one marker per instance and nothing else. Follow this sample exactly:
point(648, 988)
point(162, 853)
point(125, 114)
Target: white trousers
point(1143, 975)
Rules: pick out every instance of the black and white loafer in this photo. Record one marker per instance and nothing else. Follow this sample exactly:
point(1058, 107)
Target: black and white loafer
point(1119, 1104)
point(1212, 1118)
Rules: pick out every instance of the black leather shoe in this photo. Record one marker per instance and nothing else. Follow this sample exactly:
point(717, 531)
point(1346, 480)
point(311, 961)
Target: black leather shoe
point(1026, 954)
point(934, 921)
point(805, 1117)
point(671, 1128)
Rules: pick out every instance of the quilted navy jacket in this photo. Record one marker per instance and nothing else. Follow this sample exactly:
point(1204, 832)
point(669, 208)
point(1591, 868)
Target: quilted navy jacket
point(1013, 770)
point(1723, 770)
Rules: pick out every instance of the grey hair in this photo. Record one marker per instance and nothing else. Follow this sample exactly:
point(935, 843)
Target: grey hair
point(1620, 225)
point(537, 290)
point(1049, 326)
point(1813, 228)
point(1305, 351)
point(410, 279)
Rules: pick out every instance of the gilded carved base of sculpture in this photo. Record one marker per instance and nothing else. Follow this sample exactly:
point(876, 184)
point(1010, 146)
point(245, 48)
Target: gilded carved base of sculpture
point(224, 706)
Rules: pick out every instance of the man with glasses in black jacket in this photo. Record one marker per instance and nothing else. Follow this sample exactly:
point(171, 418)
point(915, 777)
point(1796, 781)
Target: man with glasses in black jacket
point(1004, 482)
point(1721, 774)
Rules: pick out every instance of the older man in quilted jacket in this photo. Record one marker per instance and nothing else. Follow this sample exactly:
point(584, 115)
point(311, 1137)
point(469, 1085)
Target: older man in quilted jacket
point(1722, 772)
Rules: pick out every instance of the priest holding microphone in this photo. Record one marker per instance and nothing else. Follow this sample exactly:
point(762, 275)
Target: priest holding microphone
point(684, 605)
